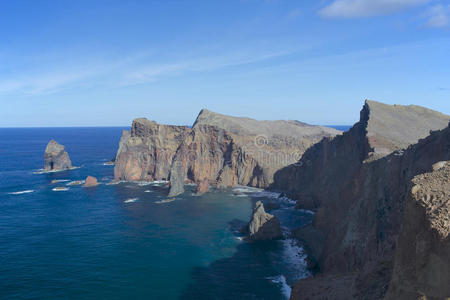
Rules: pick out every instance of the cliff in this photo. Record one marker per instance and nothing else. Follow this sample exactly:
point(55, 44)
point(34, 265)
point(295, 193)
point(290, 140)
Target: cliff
point(360, 186)
point(56, 158)
point(422, 259)
point(224, 150)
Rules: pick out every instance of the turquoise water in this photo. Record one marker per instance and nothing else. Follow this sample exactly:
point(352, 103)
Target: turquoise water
point(120, 241)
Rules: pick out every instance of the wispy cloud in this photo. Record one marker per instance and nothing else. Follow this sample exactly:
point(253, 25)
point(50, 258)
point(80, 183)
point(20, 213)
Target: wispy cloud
point(153, 72)
point(46, 82)
point(366, 8)
point(438, 16)
point(132, 70)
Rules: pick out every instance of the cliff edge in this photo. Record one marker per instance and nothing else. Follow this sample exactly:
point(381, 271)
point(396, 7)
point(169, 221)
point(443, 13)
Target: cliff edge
point(360, 186)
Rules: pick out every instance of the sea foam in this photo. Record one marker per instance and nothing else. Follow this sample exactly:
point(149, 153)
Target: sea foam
point(131, 200)
point(165, 201)
point(21, 192)
point(285, 288)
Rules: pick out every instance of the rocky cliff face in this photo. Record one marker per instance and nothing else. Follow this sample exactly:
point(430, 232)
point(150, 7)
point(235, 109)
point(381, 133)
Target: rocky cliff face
point(55, 157)
point(224, 150)
point(360, 185)
point(422, 258)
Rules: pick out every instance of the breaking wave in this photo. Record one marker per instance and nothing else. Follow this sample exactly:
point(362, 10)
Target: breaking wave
point(21, 192)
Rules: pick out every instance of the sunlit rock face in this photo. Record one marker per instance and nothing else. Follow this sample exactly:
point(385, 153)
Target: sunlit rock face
point(56, 158)
point(226, 151)
point(263, 226)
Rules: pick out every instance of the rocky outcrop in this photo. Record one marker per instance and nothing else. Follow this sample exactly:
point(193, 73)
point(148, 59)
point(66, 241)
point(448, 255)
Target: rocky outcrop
point(422, 258)
point(360, 186)
point(56, 158)
point(90, 182)
point(224, 150)
point(202, 187)
point(263, 226)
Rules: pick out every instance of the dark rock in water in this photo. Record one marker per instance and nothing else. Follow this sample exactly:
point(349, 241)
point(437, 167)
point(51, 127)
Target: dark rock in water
point(90, 182)
point(282, 195)
point(56, 158)
point(263, 226)
point(271, 205)
point(202, 187)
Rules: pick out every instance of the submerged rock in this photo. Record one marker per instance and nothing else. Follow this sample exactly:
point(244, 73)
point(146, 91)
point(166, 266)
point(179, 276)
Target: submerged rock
point(90, 182)
point(56, 158)
point(263, 226)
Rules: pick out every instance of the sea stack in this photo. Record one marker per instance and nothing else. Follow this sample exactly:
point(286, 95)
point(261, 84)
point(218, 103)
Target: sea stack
point(56, 158)
point(176, 180)
point(263, 226)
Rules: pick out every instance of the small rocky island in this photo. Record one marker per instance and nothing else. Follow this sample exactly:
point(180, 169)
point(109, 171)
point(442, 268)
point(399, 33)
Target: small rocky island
point(90, 181)
point(56, 157)
point(263, 226)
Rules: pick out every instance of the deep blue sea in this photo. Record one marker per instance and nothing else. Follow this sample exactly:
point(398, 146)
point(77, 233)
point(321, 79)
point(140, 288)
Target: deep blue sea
point(120, 241)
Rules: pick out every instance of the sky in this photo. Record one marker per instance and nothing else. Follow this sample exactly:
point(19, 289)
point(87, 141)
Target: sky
point(105, 63)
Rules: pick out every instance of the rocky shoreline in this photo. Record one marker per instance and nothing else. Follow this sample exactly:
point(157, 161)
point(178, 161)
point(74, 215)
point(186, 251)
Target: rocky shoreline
point(377, 190)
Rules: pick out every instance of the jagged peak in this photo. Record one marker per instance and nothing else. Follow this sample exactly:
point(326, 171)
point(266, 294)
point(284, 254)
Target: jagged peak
point(54, 146)
point(392, 127)
point(143, 121)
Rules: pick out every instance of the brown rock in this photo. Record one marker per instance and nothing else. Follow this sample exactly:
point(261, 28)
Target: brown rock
point(90, 182)
point(360, 185)
point(225, 150)
point(422, 258)
point(202, 187)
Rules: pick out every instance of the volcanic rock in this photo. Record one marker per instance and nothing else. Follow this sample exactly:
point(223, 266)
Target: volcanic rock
point(90, 182)
point(360, 185)
point(225, 150)
point(202, 187)
point(56, 158)
point(263, 226)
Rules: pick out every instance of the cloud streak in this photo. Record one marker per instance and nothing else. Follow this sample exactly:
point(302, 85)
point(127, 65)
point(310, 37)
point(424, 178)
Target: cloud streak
point(126, 72)
point(366, 8)
point(438, 16)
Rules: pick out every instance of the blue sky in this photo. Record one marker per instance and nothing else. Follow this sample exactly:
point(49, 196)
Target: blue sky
point(104, 63)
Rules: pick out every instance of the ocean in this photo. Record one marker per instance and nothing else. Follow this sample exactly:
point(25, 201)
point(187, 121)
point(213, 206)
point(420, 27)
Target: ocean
point(118, 241)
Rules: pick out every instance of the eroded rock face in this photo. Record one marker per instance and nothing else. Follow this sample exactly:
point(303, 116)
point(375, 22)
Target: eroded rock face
point(359, 183)
point(202, 187)
point(55, 157)
point(263, 226)
point(224, 150)
point(90, 181)
point(422, 258)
